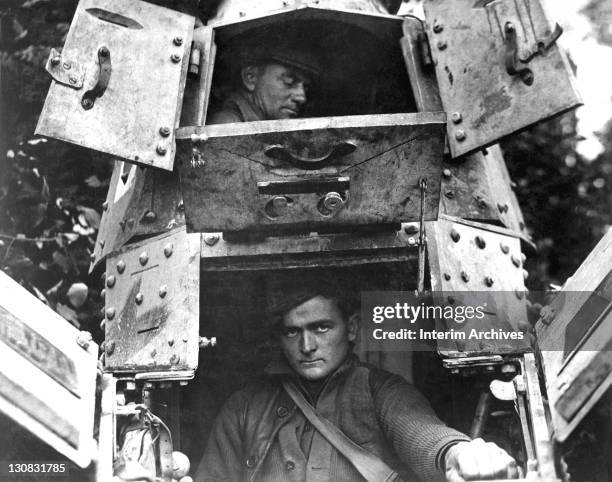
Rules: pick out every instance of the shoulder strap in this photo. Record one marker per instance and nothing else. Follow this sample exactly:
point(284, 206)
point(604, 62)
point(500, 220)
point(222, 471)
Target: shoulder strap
point(367, 464)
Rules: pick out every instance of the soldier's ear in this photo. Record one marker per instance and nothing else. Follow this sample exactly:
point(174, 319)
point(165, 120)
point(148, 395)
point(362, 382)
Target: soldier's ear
point(249, 77)
point(352, 326)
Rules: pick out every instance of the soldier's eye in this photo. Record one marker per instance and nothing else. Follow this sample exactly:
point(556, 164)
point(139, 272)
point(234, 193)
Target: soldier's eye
point(290, 332)
point(321, 328)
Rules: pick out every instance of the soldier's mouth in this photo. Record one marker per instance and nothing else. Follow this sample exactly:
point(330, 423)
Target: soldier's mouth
point(310, 362)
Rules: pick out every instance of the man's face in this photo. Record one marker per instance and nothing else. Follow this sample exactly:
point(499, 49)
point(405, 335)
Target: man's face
point(315, 338)
point(279, 90)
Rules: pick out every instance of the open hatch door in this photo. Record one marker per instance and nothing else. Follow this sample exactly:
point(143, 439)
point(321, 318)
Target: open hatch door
point(118, 82)
point(499, 68)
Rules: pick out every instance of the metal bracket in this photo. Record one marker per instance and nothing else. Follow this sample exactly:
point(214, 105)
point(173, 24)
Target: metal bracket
point(65, 71)
point(541, 46)
point(512, 61)
point(282, 153)
point(104, 60)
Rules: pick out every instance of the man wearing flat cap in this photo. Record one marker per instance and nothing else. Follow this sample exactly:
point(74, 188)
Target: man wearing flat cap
point(274, 77)
point(320, 414)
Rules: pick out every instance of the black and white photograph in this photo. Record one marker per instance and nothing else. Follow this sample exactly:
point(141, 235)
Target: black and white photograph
point(305, 240)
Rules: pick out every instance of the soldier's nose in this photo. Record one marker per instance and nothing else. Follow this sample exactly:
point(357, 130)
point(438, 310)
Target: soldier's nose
point(299, 94)
point(307, 343)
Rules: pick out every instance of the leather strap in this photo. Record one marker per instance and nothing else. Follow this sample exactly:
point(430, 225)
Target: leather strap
point(367, 464)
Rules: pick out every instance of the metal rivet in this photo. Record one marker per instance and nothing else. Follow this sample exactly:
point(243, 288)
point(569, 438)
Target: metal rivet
point(502, 207)
point(139, 298)
point(73, 79)
point(178, 41)
point(455, 236)
point(525, 274)
point(161, 149)
point(441, 45)
point(411, 241)
point(122, 224)
point(163, 291)
point(449, 194)
point(242, 14)
point(103, 294)
point(92, 256)
point(103, 325)
point(521, 225)
point(447, 173)
point(105, 206)
point(164, 131)
point(87, 103)
point(171, 341)
point(120, 266)
point(488, 281)
point(456, 117)
point(180, 206)
point(153, 353)
point(174, 359)
point(110, 313)
point(130, 223)
point(411, 228)
point(465, 277)
point(110, 281)
point(447, 276)
point(438, 27)
point(103, 51)
point(505, 248)
point(185, 339)
point(480, 242)
point(55, 61)
point(149, 217)
point(523, 257)
point(176, 58)
point(109, 347)
point(482, 204)
point(168, 249)
point(460, 135)
point(515, 261)
point(143, 258)
point(282, 411)
point(67, 65)
point(211, 239)
point(519, 294)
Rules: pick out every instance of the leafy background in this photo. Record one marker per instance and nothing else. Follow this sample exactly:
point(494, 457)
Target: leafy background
point(51, 196)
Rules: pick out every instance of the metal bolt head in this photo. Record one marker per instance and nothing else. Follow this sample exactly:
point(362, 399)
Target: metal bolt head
point(480, 242)
point(438, 27)
point(174, 359)
point(139, 298)
point(460, 135)
point(515, 261)
point(120, 266)
point(161, 149)
point(83, 339)
point(447, 276)
point(110, 281)
point(211, 239)
point(332, 201)
point(455, 236)
point(180, 206)
point(103, 51)
point(149, 217)
point(103, 325)
point(105, 206)
point(503, 208)
point(447, 173)
point(153, 353)
point(87, 103)
point(55, 61)
point(442, 45)
point(411, 228)
point(164, 131)
point(110, 313)
point(178, 41)
point(171, 341)
point(73, 79)
point(456, 117)
point(168, 250)
point(465, 277)
point(103, 294)
point(488, 281)
point(130, 223)
point(523, 257)
point(143, 258)
point(519, 293)
point(508, 369)
point(525, 274)
point(109, 348)
point(504, 247)
point(163, 291)
point(411, 241)
point(176, 58)
point(67, 65)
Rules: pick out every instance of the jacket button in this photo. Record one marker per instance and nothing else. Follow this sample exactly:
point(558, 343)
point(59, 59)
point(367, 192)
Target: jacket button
point(282, 411)
point(250, 462)
point(290, 465)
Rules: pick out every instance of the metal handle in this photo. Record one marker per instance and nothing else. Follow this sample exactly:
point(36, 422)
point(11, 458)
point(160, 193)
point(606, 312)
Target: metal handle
point(512, 60)
point(282, 153)
point(89, 97)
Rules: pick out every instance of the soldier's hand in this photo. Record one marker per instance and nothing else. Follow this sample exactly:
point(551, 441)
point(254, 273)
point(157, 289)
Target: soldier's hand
point(479, 460)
